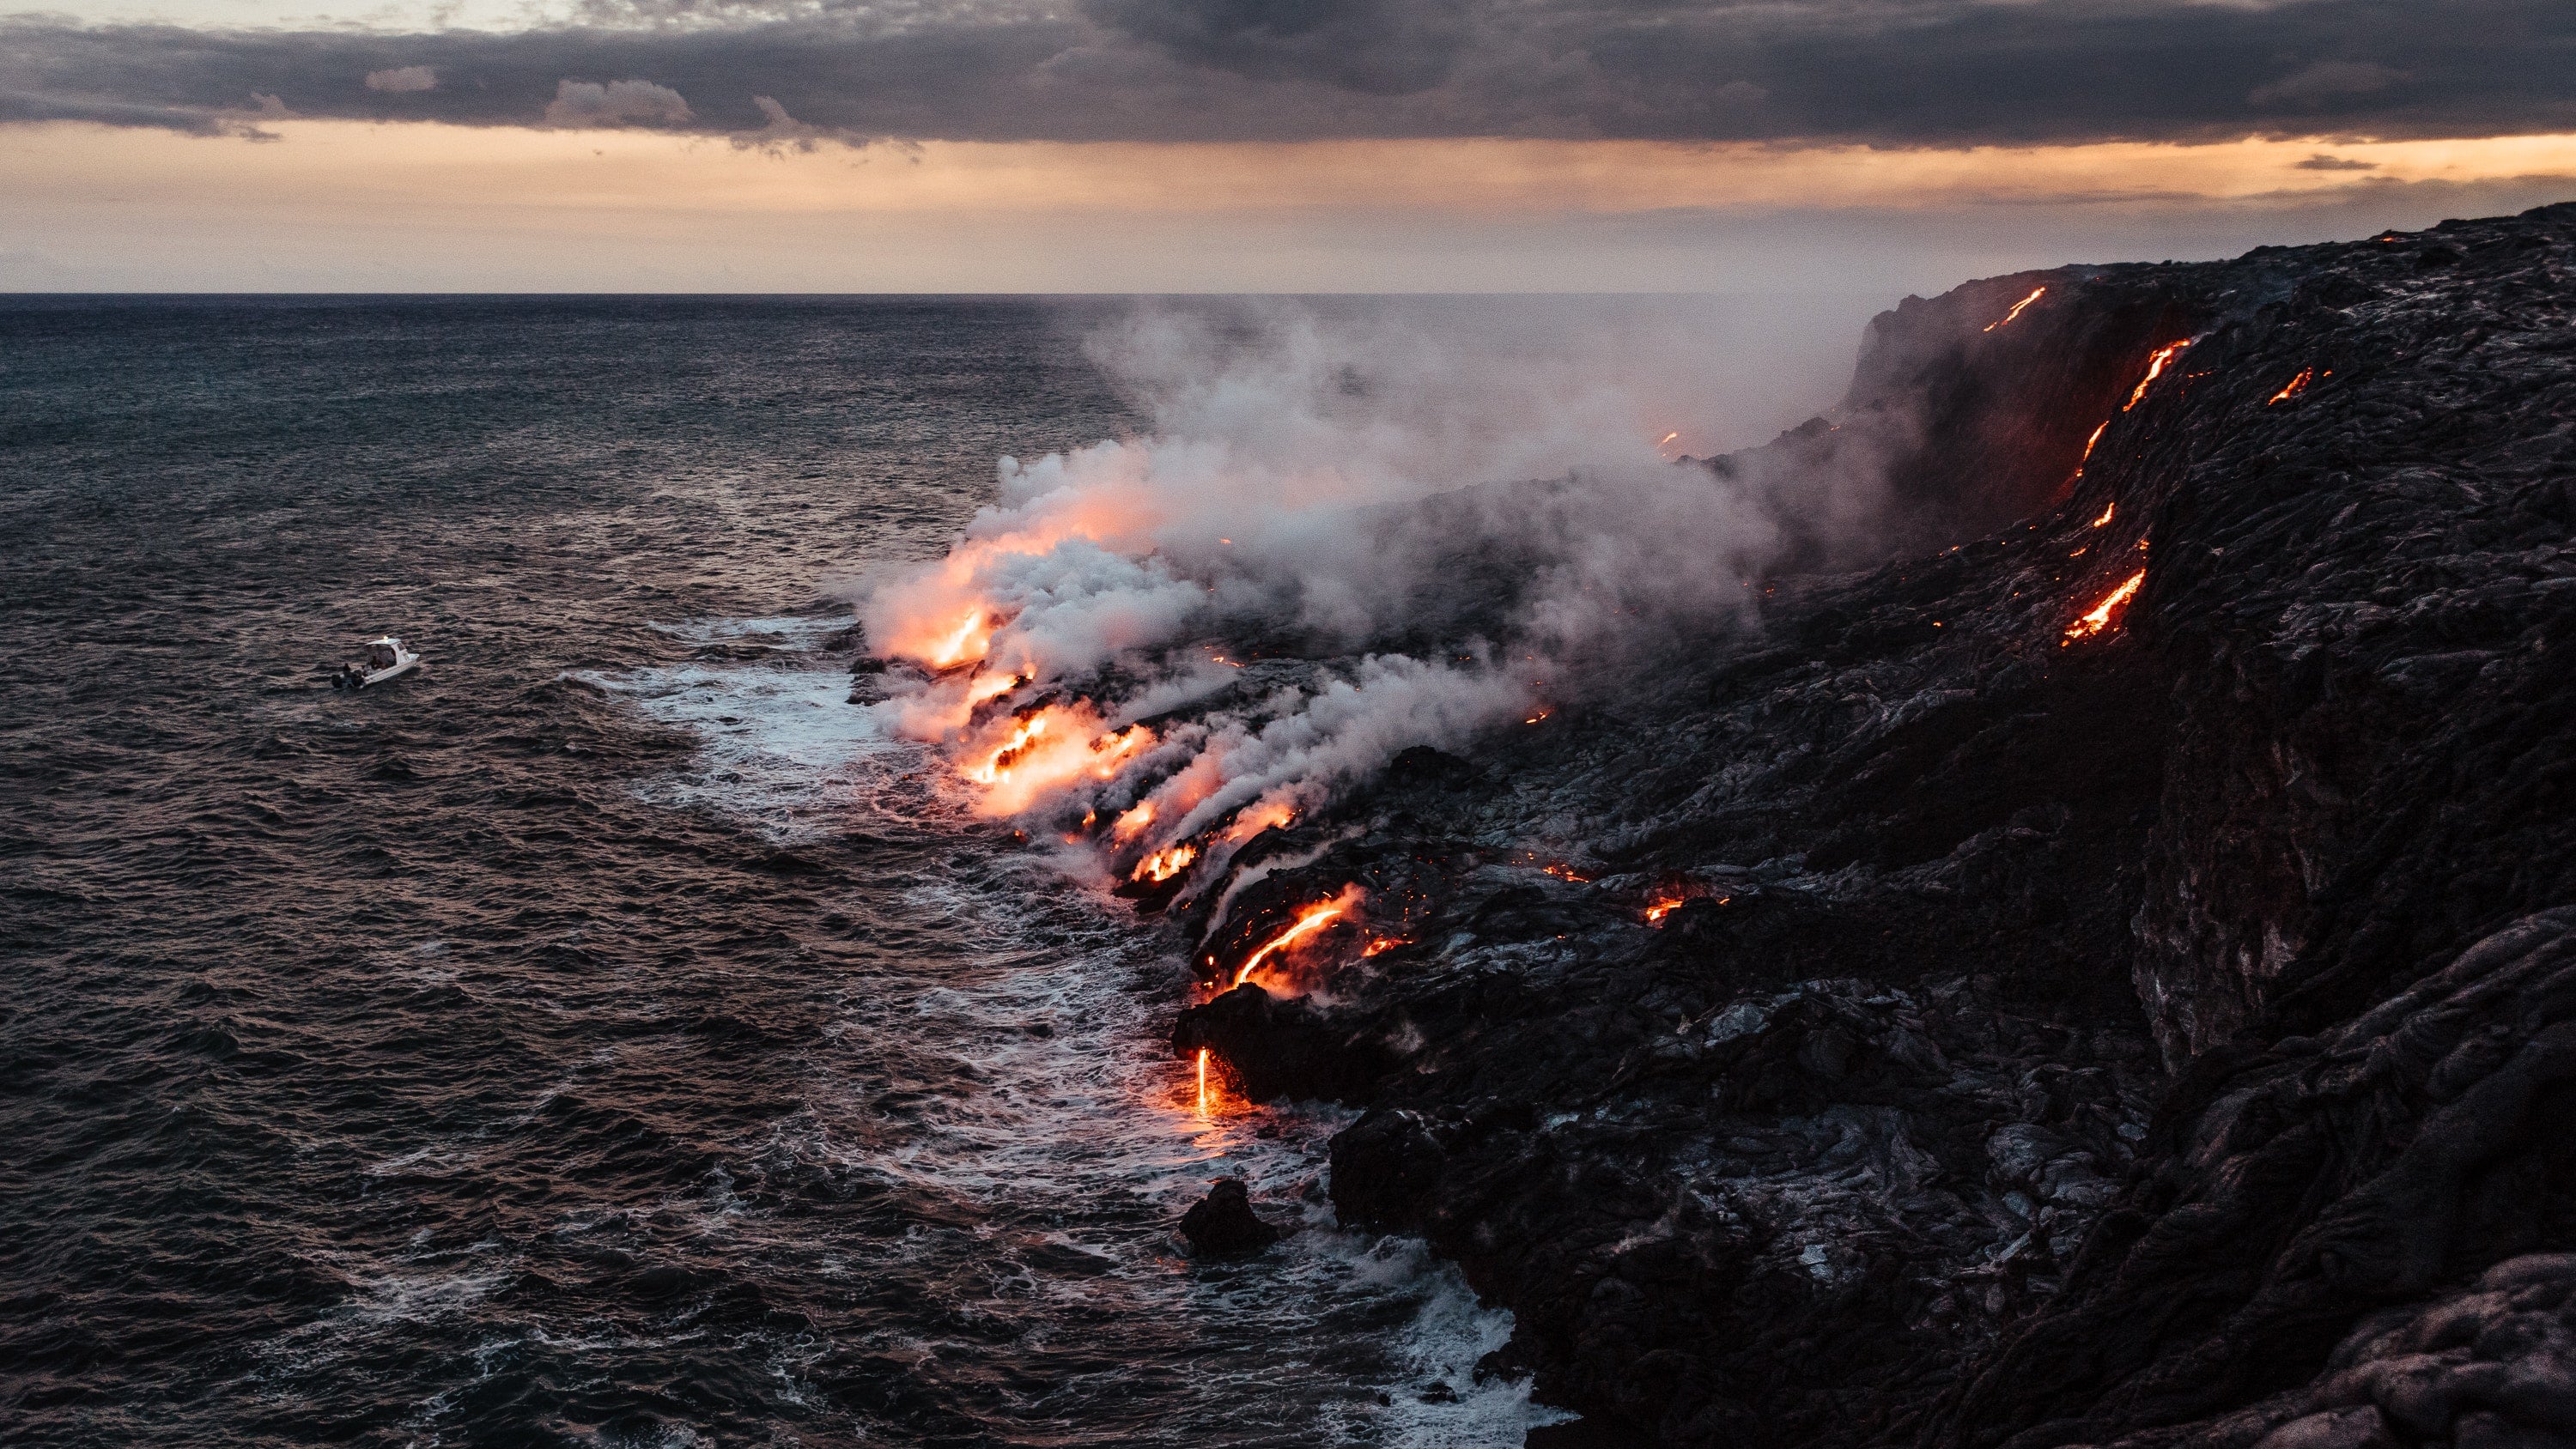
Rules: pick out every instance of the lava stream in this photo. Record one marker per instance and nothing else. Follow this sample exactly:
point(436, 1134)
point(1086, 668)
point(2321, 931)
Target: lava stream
point(1166, 863)
point(2155, 367)
point(2035, 295)
point(2099, 620)
point(1315, 919)
point(2297, 385)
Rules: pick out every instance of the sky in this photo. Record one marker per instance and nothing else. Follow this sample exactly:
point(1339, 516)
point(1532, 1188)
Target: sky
point(1769, 146)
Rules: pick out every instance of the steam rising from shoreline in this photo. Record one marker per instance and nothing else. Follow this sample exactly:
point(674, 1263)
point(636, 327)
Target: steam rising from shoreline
point(1344, 536)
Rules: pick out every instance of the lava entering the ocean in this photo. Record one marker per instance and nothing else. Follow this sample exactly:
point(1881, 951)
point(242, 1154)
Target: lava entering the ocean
point(1048, 749)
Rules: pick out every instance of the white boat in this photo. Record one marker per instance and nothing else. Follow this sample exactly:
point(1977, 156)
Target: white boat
point(386, 658)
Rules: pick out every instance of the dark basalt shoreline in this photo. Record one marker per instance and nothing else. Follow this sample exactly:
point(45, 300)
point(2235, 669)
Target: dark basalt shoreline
point(2165, 1038)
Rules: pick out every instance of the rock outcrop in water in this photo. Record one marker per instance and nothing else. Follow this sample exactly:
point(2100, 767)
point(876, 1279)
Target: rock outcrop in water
point(2155, 1033)
point(1223, 1224)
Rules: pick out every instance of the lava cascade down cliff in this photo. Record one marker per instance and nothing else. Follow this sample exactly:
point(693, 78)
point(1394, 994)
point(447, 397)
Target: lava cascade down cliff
point(2147, 1030)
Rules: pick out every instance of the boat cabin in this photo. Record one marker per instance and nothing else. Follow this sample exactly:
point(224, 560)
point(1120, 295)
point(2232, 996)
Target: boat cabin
point(383, 653)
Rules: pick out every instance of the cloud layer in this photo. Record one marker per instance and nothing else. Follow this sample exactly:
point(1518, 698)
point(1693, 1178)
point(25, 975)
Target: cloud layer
point(1884, 72)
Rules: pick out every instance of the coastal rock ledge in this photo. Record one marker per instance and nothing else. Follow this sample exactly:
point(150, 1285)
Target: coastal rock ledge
point(2105, 976)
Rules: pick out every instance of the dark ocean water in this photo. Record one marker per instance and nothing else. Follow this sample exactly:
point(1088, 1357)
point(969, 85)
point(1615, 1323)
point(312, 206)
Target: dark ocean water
point(602, 1036)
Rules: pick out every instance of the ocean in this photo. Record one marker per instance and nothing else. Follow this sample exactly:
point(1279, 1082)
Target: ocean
point(605, 1035)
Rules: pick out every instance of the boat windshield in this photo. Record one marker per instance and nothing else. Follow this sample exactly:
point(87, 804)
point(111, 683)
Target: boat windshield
point(380, 656)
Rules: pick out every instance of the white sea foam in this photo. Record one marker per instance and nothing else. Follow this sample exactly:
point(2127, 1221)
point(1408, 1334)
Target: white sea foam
point(780, 745)
point(1070, 1154)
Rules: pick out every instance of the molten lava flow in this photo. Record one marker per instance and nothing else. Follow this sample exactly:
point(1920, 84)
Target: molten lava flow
point(992, 686)
point(1565, 872)
point(1131, 822)
point(1046, 751)
point(2100, 620)
point(2155, 366)
point(2088, 446)
point(1166, 863)
point(1259, 818)
point(952, 652)
point(1536, 718)
point(2107, 510)
point(997, 766)
point(1203, 1081)
point(1114, 750)
point(2297, 385)
point(2034, 296)
point(1382, 943)
point(1315, 919)
point(1660, 907)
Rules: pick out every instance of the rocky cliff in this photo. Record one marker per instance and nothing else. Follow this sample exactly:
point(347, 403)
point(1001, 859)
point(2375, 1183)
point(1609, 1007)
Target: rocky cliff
point(2105, 976)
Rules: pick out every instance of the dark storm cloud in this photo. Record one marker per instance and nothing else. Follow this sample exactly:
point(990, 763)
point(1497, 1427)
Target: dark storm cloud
point(1373, 47)
point(1889, 72)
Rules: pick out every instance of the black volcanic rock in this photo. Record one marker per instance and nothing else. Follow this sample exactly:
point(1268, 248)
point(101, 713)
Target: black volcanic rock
point(1223, 1224)
point(2158, 1035)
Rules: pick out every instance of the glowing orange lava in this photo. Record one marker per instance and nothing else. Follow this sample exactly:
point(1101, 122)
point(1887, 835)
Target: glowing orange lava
point(2035, 295)
point(1166, 863)
point(2107, 510)
point(1050, 750)
point(1203, 1051)
point(1131, 822)
point(2088, 446)
point(2297, 385)
point(2101, 619)
point(1259, 818)
point(1114, 750)
point(953, 651)
point(1315, 919)
point(2155, 367)
point(1382, 943)
point(1565, 872)
point(997, 766)
point(1660, 907)
point(992, 686)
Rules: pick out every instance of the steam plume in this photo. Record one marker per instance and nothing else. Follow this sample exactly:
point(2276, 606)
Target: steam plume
point(1344, 536)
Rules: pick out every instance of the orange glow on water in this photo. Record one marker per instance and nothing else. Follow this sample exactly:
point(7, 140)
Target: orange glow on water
point(2103, 617)
point(2036, 294)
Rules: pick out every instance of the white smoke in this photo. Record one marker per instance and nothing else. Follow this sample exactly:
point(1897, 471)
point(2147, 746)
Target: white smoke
point(1483, 512)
